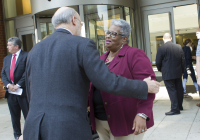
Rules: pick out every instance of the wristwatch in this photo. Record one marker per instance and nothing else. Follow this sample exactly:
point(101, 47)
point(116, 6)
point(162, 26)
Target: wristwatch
point(142, 115)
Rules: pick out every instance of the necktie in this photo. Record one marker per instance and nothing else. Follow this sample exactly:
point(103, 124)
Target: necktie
point(12, 68)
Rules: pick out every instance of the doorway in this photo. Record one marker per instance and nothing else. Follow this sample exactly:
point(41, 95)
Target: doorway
point(181, 22)
point(26, 35)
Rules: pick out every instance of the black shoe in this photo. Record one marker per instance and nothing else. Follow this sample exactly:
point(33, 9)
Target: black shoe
point(172, 113)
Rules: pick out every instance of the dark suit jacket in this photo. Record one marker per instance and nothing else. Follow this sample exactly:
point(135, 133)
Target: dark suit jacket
point(19, 72)
point(170, 61)
point(188, 56)
point(131, 63)
point(58, 74)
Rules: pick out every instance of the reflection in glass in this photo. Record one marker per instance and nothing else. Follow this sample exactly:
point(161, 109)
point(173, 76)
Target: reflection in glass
point(199, 10)
point(27, 42)
point(98, 19)
point(128, 19)
point(186, 23)
point(158, 25)
point(15, 8)
point(46, 29)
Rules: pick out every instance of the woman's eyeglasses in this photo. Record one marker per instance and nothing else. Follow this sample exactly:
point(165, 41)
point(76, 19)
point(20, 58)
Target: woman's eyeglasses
point(112, 34)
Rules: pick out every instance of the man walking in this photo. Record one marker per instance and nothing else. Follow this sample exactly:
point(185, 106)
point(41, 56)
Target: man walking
point(58, 74)
point(170, 61)
point(13, 77)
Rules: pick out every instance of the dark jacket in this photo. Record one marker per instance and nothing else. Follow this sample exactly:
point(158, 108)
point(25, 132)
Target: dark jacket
point(58, 74)
point(131, 63)
point(19, 72)
point(170, 61)
point(188, 56)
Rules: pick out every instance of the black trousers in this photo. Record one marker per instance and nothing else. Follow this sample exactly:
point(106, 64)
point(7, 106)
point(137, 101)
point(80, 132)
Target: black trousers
point(175, 91)
point(17, 103)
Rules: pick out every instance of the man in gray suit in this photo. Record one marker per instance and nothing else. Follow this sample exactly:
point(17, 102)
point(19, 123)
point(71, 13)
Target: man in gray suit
point(58, 74)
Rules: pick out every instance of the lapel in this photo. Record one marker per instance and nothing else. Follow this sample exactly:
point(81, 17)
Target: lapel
point(117, 58)
point(9, 63)
point(19, 59)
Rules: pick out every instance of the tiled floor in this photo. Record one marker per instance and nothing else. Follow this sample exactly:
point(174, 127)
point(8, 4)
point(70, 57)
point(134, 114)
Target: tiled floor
point(185, 126)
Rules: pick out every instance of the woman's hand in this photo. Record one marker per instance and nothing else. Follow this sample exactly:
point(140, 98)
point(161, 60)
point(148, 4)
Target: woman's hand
point(139, 125)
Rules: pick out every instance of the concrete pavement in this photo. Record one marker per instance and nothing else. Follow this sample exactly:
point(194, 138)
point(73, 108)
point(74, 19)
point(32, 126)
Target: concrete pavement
point(185, 126)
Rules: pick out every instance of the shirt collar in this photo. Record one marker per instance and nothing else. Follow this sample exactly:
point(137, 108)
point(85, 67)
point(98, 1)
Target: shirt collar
point(66, 29)
point(17, 53)
point(167, 41)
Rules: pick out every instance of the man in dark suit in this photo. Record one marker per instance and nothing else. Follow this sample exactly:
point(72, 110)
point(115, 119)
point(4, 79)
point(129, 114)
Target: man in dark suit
point(58, 74)
point(13, 77)
point(170, 61)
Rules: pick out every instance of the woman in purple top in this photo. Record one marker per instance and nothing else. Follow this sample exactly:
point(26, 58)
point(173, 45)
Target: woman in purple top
point(117, 117)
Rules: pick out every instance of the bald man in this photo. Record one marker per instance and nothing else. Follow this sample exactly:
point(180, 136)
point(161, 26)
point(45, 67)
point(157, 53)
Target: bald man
point(170, 61)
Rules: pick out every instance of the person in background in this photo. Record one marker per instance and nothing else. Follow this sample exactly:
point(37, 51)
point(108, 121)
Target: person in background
point(13, 77)
point(198, 60)
point(170, 61)
point(189, 66)
point(193, 51)
point(117, 117)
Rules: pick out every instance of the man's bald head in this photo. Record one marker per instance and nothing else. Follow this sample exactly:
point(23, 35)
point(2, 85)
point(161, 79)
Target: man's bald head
point(167, 37)
point(63, 15)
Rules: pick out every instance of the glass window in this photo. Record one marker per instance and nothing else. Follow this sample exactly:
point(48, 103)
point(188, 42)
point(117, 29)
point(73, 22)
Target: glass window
point(158, 25)
point(15, 8)
point(186, 23)
point(10, 29)
point(46, 29)
point(199, 10)
point(128, 19)
point(98, 19)
point(27, 42)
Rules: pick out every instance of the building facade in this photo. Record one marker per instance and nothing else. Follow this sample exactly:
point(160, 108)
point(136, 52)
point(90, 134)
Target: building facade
point(30, 20)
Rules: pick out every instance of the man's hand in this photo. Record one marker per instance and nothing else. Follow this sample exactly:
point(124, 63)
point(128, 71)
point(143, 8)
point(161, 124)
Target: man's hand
point(139, 125)
point(153, 86)
point(11, 87)
point(16, 87)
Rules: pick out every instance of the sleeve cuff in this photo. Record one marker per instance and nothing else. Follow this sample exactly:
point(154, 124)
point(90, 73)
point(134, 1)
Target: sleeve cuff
point(18, 85)
point(8, 85)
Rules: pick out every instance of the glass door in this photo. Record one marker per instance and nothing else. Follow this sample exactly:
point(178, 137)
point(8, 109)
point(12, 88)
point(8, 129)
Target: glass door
point(198, 1)
point(157, 22)
point(45, 28)
point(26, 35)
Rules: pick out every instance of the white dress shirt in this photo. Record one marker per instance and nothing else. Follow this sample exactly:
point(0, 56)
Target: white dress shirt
point(17, 56)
